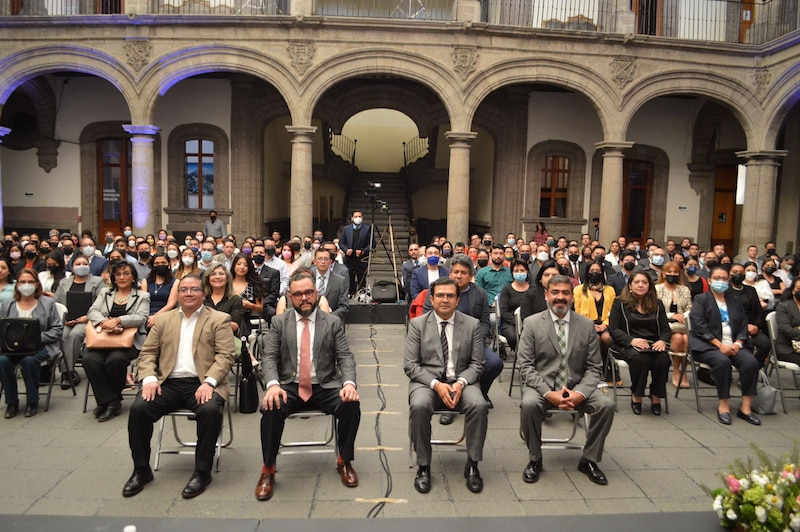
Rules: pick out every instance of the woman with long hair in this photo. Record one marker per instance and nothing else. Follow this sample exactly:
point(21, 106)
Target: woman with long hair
point(677, 300)
point(594, 299)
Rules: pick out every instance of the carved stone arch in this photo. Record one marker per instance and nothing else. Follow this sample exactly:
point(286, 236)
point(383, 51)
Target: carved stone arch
point(571, 225)
point(31, 113)
point(658, 194)
point(90, 191)
point(182, 218)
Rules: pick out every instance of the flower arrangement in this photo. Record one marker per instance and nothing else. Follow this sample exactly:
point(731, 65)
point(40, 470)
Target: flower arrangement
point(763, 496)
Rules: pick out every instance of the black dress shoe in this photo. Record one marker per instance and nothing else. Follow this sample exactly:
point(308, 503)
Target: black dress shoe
point(422, 482)
point(68, 376)
point(196, 485)
point(636, 407)
point(590, 469)
point(111, 411)
point(99, 409)
point(724, 417)
point(65, 381)
point(136, 483)
point(750, 418)
point(473, 476)
point(489, 403)
point(31, 409)
point(655, 409)
point(532, 471)
point(12, 410)
point(446, 419)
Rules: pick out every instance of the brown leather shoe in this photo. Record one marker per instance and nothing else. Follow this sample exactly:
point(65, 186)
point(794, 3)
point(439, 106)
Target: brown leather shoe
point(264, 486)
point(349, 475)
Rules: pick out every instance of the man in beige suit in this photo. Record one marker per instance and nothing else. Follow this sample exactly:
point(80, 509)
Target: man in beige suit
point(184, 363)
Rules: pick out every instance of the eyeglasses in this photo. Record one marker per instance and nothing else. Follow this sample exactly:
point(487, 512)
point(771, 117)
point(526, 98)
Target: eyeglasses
point(323, 259)
point(305, 293)
point(123, 274)
point(445, 296)
point(192, 289)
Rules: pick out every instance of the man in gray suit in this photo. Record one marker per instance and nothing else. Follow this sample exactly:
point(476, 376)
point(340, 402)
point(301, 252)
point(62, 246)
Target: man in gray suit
point(294, 383)
point(561, 367)
point(444, 360)
point(333, 287)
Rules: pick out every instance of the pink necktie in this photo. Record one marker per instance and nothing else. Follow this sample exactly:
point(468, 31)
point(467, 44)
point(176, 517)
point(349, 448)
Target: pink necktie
point(304, 380)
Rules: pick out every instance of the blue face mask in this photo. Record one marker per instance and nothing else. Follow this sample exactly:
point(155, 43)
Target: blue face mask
point(520, 277)
point(433, 260)
point(691, 270)
point(719, 286)
point(207, 255)
point(658, 260)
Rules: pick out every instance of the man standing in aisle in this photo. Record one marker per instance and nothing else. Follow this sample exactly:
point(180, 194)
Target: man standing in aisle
point(356, 245)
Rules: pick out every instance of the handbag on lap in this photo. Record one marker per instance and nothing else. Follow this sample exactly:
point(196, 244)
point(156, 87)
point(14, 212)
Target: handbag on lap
point(20, 336)
point(97, 338)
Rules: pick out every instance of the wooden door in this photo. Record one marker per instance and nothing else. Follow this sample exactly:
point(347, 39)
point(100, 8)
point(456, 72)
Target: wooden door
point(114, 184)
point(723, 221)
point(637, 185)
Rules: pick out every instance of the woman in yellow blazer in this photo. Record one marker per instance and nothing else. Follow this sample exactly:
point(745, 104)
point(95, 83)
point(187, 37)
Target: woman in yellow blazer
point(593, 299)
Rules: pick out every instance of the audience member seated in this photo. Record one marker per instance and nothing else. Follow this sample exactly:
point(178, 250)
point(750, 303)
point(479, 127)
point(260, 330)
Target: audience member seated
point(188, 264)
point(593, 299)
point(6, 280)
point(329, 285)
point(718, 337)
point(14, 254)
point(30, 259)
point(511, 298)
point(251, 289)
point(696, 283)
point(640, 336)
point(54, 273)
point(787, 315)
point(81, 281)
point(764, 292)
point(116, 308)
point(619, 280)
point(271, 278)
point(28, 303)
point(756, 321)
point(677, 300)
point(161, 286)
point(423, 276)
point(496, 276)
point(776, 284)
point(533, 300)
point(219, 295)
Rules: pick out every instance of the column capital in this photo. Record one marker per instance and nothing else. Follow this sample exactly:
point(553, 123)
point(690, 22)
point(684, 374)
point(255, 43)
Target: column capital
point(299, 131)
point(460, 136)
point(611, 146)
point(762, 155)
point(141, 130)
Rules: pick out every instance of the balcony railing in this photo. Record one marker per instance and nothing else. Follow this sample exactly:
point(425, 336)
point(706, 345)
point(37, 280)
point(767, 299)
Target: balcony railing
point(742, 21)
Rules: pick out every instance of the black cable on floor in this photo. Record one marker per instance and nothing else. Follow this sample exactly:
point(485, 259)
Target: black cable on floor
point(378, 508)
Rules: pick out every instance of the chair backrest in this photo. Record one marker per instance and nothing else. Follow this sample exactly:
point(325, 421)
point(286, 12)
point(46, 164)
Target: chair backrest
point(497, 320)
point(518, 320)
point(62, 310)
point(688, 323)
point(772, 326)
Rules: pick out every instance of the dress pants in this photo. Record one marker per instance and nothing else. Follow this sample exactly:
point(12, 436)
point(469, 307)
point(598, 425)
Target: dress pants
point(422, 401)
point(31, 366)
point(598, 405)
point(106, 371)
point(176, 394)
point(722, 370)
point(655, 363)
point(357, 269)
point(762, 345)
point(348, 417)
point(73, 338)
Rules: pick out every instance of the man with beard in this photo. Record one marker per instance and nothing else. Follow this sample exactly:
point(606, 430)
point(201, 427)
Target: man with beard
point(494, 278)
point(561, 367)
point(295, 382)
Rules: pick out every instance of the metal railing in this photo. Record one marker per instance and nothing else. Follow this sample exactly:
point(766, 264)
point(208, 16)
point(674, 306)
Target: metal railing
point(585, 15)
point(414, 149)
point(343, 146)
point(220, 7)
point(399, 9)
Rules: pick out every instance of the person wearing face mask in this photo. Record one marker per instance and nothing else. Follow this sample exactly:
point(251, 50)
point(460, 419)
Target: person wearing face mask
point(762, 288)
point(787, 316)
point(627, 266)
point(481, 259)
point(28, 303)
point(594, 299)
point(173, 254)
point(162, 287)
point(525, 252)
point(45, 250)
point(187, 264)
point(422, 277)
point(214, 226)
point(276, 263)
point(81, 281)
point(56, 271)
point(768, 274)
point(271, 278)
point(655, 263)
point(511, 298)
point(692, 279)
point(356, 243)
point(96, 263)
point(785, 266)
point(542, 256)
point(756, 322)
point(487, 241)
point(109, 243)
point(143, 266)
point(677, 300)
point(30, 259)
point(206, 256)
point(447, 253)
point(769, 251)
point(719, 338)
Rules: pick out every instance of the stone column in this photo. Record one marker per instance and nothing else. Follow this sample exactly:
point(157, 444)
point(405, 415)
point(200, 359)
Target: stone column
point(701, 179)
point(3, 132)
point(458, 185)
point(142, 178)
point(508, 188)
point(758, 212)
point(301, 198)
point(611, 194)
point(247, 157)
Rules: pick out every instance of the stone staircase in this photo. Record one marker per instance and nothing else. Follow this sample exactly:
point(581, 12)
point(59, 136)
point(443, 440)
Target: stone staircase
point(394, 203)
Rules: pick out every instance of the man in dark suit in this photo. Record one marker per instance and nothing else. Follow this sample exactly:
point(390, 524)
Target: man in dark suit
point(444, 360)
point(422, 276)
point(356, 244)
point(337, 267)
point(97, 264)
point(332, 286)
point(408, 267)
point(293, 384)
point(184, 363)
point(619, 280)
point(598, 254)
point(561, 367)
point(272, 278)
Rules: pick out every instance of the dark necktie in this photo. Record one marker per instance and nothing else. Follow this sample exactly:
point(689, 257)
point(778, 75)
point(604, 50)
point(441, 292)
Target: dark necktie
point(445, 350)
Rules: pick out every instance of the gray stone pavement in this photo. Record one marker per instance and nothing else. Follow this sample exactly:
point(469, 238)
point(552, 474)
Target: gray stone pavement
point(64, 463)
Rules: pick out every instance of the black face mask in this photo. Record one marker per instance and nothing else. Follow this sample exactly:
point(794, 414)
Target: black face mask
point(487, 243)
point(30, 254)
point(213, 219)
point(258, 259)
point(563, 270)
point(769, 270)
point(52, 269)
point(797, 295)
point(295, 246)
point(770, 251)
point(672, 279)
point(525, 256)
point(710, 264)
point(629, 266)
point(144, 255)
point(573, 257)
point(737, 278)
point(483, 262)
point(162, 270)
point(270, 250)
point(307, 245)
point(67, 250)
point(595, 277)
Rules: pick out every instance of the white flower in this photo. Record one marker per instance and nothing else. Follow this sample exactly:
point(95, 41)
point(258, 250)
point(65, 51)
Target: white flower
point(717, 506)
point(731, 515)
point(794, 523)
point(775, 501)
point(744, 483)
point(761, 514)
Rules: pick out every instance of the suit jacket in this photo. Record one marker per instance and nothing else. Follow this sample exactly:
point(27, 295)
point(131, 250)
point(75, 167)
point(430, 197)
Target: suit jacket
point(137, 310)
point(408, 268)
point(618, 281)
point(212, 345)
point(93, 285)
point(272, 278)
point(340, 269)
point(96, 264)
point(540, 354)
point(419, 279)
point(333, 360)
point(788, 319)
point(336, 289)
point(706, 321)
point(424, 360)
point(346, 240)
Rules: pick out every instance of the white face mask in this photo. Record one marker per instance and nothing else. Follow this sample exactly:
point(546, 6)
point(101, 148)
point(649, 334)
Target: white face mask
point(88, 251)
point(357, 220)
point(81, 270)
point(750, 275)
point(173, 254)
point(26, 289)
point(187, 261)
point(543, 256)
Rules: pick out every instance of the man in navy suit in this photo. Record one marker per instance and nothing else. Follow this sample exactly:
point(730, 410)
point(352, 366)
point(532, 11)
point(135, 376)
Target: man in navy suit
point(330, 285)
point(356, 243)
point(421, 278)
point(96, 263)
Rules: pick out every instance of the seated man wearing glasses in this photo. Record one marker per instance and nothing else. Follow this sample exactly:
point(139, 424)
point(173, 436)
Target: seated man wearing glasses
point(307, 365)
point(184, 364)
